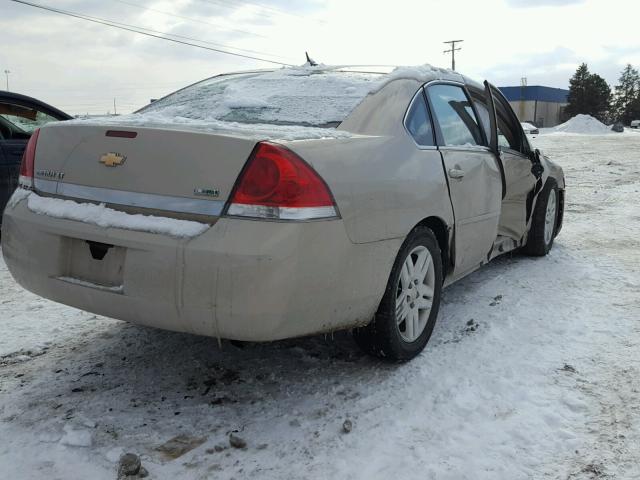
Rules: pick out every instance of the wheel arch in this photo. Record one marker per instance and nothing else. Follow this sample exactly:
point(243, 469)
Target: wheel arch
point(441, 230)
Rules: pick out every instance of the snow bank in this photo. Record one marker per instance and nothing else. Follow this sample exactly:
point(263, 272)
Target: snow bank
point(580, 124)
point(108, 218)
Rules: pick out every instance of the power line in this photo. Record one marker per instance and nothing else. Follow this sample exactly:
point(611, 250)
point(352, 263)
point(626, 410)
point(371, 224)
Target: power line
point(222, 45)
point(136, 30)
point(175, 15)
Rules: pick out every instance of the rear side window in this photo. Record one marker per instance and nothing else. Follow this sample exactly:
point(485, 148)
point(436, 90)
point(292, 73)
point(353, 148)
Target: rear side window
point(418, 122)
point(455, 116)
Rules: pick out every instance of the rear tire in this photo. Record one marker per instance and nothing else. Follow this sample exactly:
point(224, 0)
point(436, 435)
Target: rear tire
point(407, 313)
point(545, 221)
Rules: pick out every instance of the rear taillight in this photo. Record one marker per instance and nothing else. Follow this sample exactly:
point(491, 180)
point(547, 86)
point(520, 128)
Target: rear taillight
point(278, 184)
point(28, 160)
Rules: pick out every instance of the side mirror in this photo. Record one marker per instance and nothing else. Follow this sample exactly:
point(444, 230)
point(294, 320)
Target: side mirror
point(534, 156)
point(536, 169)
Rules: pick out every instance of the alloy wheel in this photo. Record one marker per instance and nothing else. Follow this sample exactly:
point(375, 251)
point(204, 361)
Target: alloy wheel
point(550, 217)
point(414, 293)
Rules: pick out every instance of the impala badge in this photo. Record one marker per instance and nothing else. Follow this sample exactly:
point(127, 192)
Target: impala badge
point(207, 192)
point(112, 159)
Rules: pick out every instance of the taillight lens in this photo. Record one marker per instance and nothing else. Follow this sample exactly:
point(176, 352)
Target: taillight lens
point(278, 184)
point(28, 160)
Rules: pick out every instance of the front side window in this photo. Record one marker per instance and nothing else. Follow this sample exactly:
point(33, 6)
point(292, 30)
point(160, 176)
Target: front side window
point(509, 129)
point(455, 116)
point(418, 122)
point(507, 137)
point(483, 113)
point(507, 134)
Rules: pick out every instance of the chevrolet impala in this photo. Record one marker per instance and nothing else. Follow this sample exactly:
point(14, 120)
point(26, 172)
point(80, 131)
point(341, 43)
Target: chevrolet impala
point(265, 205)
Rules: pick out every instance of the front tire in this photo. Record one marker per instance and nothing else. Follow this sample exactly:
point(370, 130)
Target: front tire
point(407, 313)
point(544, 222)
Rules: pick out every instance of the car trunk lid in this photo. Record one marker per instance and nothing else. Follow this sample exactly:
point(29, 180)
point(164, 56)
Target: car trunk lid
point(183, 173)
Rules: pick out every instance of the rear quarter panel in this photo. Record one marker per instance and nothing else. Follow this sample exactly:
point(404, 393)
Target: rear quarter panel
point(383, 183)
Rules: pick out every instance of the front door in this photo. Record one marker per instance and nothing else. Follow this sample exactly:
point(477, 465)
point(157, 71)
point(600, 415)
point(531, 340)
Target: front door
point(475, 183)
point(520, 182)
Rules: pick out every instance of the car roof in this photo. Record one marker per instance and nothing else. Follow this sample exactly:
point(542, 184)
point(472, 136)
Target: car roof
point(422, 73)
point(30, 102)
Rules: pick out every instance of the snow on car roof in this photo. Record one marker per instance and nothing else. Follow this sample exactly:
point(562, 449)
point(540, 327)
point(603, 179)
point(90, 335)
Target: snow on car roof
point(289, 103)
point(311, 96)
point(290, 96)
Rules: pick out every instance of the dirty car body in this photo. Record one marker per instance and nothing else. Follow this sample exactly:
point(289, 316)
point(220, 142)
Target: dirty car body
point(414, 149)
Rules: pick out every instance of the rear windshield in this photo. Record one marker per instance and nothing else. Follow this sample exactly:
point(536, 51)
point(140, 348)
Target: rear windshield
point(290, 96)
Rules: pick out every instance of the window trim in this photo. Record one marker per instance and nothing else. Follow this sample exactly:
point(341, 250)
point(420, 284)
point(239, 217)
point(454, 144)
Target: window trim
point(429, 118)
point(439, 136)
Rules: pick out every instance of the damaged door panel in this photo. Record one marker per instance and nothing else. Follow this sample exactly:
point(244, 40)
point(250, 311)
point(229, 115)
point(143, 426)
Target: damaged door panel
point(473, 176)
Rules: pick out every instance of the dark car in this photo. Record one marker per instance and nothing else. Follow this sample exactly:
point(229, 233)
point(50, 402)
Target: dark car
point(618, 127)
point(19, 117)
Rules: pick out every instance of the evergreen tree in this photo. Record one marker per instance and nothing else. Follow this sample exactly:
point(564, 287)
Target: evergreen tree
point(589, 94)
point(627, 96)
point(577, 91)
point(598, 97)
point(633, 109)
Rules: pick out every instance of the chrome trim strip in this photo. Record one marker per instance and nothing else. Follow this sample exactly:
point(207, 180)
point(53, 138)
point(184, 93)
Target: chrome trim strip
point(467, 148)
point(282, 213)
point(46, 186)
point(132, 199)
point(119, 289)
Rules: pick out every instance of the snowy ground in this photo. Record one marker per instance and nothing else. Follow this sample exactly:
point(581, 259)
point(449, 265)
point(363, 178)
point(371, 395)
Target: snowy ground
point(533, 372)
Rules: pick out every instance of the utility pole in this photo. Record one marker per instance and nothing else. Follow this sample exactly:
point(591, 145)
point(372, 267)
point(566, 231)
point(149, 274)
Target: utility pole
point(452, 51)
point(521, 110)
point(7, 72)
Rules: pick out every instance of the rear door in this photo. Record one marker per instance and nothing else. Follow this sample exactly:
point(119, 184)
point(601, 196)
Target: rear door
point(475, 183)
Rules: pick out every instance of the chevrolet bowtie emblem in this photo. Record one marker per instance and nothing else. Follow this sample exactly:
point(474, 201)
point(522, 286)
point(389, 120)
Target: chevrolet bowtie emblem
point(112, 159)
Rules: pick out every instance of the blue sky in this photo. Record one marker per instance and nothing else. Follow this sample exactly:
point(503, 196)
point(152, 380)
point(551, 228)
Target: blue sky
point(82, 67)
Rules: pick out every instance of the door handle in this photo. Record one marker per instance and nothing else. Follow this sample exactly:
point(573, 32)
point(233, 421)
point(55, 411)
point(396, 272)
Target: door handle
point(456, 173)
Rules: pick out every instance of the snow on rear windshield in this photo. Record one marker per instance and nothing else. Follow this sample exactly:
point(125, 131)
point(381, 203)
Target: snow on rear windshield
point(290, 96)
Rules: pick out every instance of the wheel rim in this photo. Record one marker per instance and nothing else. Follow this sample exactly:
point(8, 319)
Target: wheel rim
point(414, 293)
point(550, 217)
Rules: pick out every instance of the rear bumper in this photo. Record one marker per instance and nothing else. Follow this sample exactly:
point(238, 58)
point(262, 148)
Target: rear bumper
point(241, 279)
